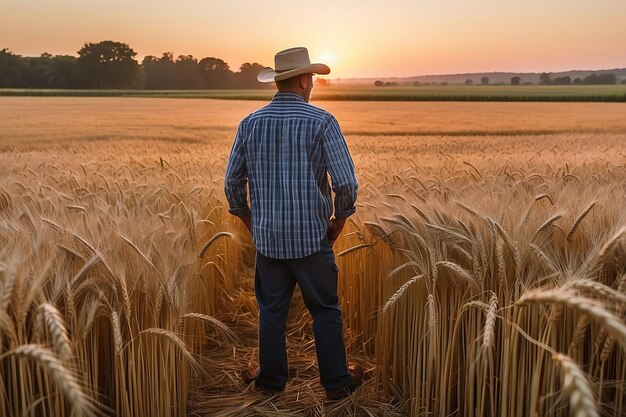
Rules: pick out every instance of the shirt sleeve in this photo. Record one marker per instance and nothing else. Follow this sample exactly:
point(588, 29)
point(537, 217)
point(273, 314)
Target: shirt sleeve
point(341, 169)
point(236, 177)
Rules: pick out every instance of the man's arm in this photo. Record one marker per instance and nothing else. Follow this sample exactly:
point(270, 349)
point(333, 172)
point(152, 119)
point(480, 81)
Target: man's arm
point(341, 169)
point(236, 179)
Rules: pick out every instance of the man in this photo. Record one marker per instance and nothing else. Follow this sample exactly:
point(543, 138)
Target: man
point(285, 152)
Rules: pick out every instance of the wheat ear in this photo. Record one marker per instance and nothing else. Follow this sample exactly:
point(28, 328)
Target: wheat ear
point(599, 289)
point(117, 332)
point(459, 272)
point(222, 330)
point(609, 342)
point(539, 197)
point(176, 341)
point(584, 305)
point(137, 251)
point(489, 335)
point(546, 224)
point(581, 400)
point(580, 218)
point(57, 329)
point(398, 294)
point(210, 242)
point(607, 249)
point(354, 249)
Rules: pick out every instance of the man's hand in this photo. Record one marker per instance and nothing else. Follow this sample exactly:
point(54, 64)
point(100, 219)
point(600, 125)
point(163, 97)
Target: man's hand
point(335, 226)
point(247, 221)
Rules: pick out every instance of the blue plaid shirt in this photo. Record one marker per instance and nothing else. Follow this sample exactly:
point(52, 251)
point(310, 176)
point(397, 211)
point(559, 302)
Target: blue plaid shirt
point(285, 150)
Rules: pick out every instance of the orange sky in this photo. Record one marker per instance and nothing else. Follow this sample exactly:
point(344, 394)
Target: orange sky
point(366, 38)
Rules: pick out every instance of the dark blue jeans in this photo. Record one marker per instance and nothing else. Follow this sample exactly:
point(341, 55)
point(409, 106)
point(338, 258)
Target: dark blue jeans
point(274, 283)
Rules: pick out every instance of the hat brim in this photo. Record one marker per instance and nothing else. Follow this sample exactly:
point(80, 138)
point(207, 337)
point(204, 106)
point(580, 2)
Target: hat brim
point(268, 75)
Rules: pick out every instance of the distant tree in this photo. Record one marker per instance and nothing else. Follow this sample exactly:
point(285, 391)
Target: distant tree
point(595, 79)
point(391, 84)
point(562, 80)
point(37, 73)
point(322, 82)
point(215, 73)
point(378, 83)
point(484, 80)
point(516, 81)
point(47, 71)
point(246, 77)
point(109, 64)
point(12, 67)
point(608, 78)
point(544, 79)
point(469, 81)
point(64, 72)
point(443, 83)
point(160, 73)
point(577, 81)
point(187, 74)
point(416, 83)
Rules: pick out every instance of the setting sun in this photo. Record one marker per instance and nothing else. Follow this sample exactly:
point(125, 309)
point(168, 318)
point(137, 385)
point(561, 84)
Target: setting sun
point(327, 58)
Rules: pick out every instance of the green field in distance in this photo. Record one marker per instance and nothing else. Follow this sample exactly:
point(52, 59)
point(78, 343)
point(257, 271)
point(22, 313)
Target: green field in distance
point(607, 93)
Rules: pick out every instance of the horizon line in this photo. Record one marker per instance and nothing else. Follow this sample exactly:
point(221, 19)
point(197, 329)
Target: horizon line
point(354, 77)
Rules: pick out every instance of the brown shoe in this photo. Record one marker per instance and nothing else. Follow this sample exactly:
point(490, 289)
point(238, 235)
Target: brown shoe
point(249, 376)
point(356, 378)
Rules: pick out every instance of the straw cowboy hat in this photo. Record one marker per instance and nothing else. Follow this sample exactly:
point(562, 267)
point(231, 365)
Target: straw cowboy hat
point(289, 63)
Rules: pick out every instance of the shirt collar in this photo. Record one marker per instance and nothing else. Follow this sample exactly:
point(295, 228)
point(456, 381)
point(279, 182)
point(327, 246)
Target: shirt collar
point(287, 96)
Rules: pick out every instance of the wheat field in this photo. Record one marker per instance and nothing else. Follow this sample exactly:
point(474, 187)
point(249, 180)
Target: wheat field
point(484, 272)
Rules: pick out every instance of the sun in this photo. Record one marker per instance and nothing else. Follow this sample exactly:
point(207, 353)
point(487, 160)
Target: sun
point(327, 58)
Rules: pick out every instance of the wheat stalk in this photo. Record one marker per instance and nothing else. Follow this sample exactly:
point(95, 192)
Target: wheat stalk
point(81, 403)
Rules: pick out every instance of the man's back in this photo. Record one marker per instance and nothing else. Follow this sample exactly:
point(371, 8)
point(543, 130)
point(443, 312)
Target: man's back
point(285, 150)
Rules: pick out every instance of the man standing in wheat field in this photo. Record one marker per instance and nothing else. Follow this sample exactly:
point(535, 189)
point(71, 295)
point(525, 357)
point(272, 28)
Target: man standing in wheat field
point(285, 152)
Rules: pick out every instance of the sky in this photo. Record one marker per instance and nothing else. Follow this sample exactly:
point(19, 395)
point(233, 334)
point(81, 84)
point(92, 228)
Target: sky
point(356, 38)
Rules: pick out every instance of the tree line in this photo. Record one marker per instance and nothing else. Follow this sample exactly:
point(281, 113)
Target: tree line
point(544, 79)
point(112, 65)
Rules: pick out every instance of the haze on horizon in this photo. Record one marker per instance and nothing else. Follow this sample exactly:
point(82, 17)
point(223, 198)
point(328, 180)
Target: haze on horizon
point(357, 38)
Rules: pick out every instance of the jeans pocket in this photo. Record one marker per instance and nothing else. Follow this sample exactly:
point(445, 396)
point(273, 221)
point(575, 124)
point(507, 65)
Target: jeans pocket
point(335, 267)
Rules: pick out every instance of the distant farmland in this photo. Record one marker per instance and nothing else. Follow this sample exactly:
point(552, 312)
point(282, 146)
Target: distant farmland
point(600, 93)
